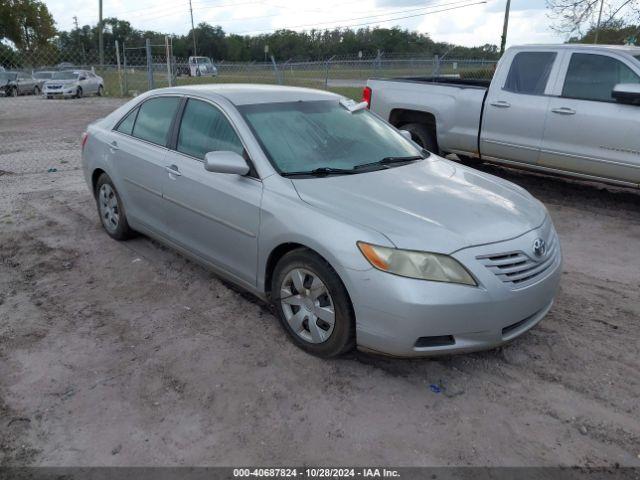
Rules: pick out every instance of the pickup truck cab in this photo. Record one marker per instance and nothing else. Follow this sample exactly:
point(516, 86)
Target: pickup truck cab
point(568, 109)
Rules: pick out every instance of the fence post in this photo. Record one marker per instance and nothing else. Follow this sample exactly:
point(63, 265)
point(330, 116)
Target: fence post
point(436, 66)
point(119, 69)
point(168, 54)
point(124, 69)
point(275, 70)
point(149, 63)
point(327, 66)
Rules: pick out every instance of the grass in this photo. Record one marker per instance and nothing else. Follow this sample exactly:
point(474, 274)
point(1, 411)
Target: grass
point(137, 82)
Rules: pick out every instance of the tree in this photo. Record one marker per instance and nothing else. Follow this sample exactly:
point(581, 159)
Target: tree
point(574, 16)
point(26, 23)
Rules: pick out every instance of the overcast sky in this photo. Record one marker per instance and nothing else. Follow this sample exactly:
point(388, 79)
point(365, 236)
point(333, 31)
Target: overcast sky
point(467, 25)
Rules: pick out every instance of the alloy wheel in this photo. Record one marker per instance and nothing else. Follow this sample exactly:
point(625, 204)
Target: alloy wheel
point(108, 205)
point(307, 305)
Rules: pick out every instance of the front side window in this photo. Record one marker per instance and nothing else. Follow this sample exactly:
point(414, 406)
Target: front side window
point(154, 119)
point(592, 77)
point(303, 136)
point(204, 129)
point(529, 72)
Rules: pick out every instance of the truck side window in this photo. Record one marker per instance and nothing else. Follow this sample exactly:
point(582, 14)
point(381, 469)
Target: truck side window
point(592, 77)
point(529, 72)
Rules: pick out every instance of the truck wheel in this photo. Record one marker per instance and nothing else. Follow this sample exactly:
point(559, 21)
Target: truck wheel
point(422, 135)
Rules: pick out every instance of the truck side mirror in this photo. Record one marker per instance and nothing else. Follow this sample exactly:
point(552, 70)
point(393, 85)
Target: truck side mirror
point(628, 93)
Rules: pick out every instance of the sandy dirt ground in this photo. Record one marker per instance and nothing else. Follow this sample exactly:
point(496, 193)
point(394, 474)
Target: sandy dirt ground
point(128, 354)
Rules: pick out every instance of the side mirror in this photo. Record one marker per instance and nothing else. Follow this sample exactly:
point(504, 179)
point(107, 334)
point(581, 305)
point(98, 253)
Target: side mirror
point(628, 93)
point(225, 162)
point(406, 134)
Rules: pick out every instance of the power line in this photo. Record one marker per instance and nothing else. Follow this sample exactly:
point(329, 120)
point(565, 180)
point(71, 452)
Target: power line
point(369, 23)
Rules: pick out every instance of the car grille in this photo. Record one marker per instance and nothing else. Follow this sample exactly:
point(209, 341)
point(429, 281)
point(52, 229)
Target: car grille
point(53, 87)
point(519, 269)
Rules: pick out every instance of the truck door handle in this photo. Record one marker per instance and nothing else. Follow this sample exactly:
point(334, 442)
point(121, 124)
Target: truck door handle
point(564, 111)
point(501, 104)
point(172, 170)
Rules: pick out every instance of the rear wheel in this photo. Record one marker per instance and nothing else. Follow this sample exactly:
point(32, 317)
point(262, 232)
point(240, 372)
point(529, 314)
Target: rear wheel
point(110, 209)
point(36, 90)
point(79, 92)
point(313, 304)
point(422, 135)
point(100, 91)
point(14, 92)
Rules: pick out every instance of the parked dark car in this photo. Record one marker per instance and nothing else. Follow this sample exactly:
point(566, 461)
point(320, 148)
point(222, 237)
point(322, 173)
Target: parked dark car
point(13, 84)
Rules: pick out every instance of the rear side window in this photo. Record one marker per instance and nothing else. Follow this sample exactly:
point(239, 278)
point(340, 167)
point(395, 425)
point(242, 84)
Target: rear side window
point(592, 77)
point(204, 129)
point(126, 125)
point(529, 72)
point(154, 119)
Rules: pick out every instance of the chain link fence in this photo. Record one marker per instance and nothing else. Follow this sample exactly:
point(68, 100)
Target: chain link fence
point(129, 70)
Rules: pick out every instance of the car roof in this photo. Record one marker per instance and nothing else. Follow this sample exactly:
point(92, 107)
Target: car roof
point(245, 94)
point(585, 46)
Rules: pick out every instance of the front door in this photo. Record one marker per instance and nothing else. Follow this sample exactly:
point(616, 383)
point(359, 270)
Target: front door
point(587, 132)
point(215, 215)
point(515, 109)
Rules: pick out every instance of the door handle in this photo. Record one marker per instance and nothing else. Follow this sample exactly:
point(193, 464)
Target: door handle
point(564, 111)
point(113, 146)
point(172, 170)
point(501, 104)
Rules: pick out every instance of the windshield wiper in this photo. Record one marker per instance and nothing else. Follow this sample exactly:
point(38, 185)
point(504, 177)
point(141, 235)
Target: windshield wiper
point(321, 172)
point(389, 161)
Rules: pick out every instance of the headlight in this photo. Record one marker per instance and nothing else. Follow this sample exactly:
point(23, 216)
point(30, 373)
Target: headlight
point(420, 265)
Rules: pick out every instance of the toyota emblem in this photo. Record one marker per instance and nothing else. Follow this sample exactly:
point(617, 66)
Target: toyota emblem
point(539, 247)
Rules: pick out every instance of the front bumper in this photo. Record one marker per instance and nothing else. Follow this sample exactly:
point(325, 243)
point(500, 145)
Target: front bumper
point(410, 318)
point(59, 92)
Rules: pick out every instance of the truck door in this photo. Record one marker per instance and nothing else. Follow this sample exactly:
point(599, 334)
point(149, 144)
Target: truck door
point(587, 132)
point(516, 106)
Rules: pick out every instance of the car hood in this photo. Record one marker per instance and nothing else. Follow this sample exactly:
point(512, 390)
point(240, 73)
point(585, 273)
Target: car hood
point(434, 205)
point(61, 82)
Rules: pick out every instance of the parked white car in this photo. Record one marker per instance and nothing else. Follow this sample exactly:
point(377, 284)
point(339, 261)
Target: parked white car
point(73, 83)
point(202, 66)
point(565, 109)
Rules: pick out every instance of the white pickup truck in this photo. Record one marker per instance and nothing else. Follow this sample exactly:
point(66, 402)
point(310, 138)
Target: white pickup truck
point(567, 109)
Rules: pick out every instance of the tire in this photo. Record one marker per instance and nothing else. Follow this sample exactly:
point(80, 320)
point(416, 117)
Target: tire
point(107, 199)
point(100, 92)
point(14, 92)
point(48, 97)
point(294, 308)
point(422, 135)
point(36, 90)
point(78, 92)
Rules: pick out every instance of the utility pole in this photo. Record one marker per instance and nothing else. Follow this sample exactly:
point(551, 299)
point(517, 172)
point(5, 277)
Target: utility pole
point(100, 39)
point(75, 21)
point(193, 30)
point(595, 40)
point(505, 27)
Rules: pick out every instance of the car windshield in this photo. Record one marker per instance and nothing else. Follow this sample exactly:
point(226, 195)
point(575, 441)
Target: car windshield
point(64, 76)
point(8, 76)
point(42, 75)
point(305, 136)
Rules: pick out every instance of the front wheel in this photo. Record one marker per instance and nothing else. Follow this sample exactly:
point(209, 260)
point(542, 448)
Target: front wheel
point(313, 305)
point(14, 92)
point(100, 91)
point(110, 210)
point(36, 90)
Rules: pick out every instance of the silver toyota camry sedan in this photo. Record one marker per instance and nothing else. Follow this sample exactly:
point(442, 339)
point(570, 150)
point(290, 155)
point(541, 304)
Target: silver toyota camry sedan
point(356, 235)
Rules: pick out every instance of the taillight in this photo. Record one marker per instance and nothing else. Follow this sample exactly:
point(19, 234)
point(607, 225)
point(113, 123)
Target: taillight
point(85, 136)
point(366, 96)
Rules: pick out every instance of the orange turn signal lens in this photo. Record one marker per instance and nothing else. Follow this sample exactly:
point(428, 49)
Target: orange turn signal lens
point(370, 254)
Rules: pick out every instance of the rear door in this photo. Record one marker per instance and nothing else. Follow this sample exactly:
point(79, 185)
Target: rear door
point(138, 150)
point(214, 215)
point(587, 132)
point(516, 107)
